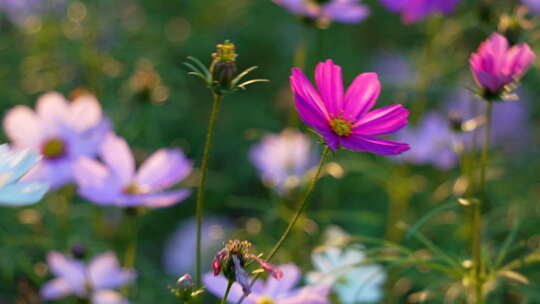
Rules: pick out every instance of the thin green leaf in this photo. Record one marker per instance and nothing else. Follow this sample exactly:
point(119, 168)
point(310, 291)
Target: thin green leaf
point(506, 244)
point(192, 68)
point(431, 246)
point(241, 75)
point(242, 85)
point(198, 75)
point(203, 68)
point(430, 215)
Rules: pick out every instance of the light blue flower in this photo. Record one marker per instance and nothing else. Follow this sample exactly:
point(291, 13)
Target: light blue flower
point(344, 270)
point(13, 166)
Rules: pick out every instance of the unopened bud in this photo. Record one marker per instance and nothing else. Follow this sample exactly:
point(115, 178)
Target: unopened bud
point(223, 67)
point(78, 251)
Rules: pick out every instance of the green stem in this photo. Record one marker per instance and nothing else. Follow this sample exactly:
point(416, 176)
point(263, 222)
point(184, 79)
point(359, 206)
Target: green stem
point(477, 213)
point(229, 285)
point(131, 250)
point(202, 182)
point(302, 205)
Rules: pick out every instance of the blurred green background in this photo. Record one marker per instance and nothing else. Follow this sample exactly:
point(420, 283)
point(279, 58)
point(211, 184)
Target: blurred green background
point(129, 53)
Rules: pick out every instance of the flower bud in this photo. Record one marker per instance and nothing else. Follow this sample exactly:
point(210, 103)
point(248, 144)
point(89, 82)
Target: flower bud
point(78, 251)
point(223, 67)
point(456, 121)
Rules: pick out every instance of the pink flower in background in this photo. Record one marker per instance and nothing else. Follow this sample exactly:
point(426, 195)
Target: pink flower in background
point(415, 10)
point(344, 118)
point(496, 65)
point(276, 291)
point(346, 11)
point(115, 182)
point(61, 131)
point(95, 281)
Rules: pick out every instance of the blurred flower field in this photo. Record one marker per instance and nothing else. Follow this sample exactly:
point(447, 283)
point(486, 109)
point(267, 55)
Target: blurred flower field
point(269, 151)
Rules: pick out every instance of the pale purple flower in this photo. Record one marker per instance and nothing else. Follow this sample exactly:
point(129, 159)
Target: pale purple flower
point(115, 181)
point(533, 5)
point(275, 291)
point(95, 281)
point(415, 10)
point(511, 129)
point(19, 10)
point(344, 118)
point(284, 159)
point(345, 11)
point(496, 65)
point(394, 69)
point(178, 254)
point(61, 131)
point(432, 142)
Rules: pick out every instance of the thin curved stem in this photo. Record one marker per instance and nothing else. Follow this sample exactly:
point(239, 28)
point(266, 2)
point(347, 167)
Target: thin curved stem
point(477, 213)
point(302, 206)
point(229, 285)
point(202, 183)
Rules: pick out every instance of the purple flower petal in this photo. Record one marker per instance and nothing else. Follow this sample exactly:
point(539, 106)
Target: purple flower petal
point(52, 107)
point(73, 272)
point(116, 154)
point(163, 169)
point(95, 181)
point(104, 272)
point(241, 276)
point(218, 284)
point(164, 199)
point(55, 289)
point(291, 277)
point(346, 11)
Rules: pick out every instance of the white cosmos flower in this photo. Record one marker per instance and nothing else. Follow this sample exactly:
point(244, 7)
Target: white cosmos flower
point(13, 166)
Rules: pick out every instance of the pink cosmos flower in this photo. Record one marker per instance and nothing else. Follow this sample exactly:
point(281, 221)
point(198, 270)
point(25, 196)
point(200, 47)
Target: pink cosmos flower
point(344, 118)
point(61, 131)
point(415, 10)
point(345, 11)
point(95, 281)
point(496, 65)
point(115, 181)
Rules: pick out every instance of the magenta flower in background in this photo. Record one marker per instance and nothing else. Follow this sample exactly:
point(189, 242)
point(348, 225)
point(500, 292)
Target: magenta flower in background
point(178, 254)
point(345, 11)
point(415, 10)
point(275, 291)
point(115, 182)
point(496, 65)
point(432, 142)
point(61, 131)
point(95, 281)
point(283, 159)
point(345, 119)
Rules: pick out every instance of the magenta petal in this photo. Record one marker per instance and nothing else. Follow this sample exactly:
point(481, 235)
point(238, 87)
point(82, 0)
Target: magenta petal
point(310, 115)
point(165, 199)
point(163, 169)
point(116, 154)
point(331, 139)
point(382, 121)
point(303, 88)
point(330, 85)
point(361, 95)
point(519, 58)
point(375, 145)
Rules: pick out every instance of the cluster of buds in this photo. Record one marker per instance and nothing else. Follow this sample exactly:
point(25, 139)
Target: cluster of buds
point(222, 77)
point(234, 258)
point(185, 289)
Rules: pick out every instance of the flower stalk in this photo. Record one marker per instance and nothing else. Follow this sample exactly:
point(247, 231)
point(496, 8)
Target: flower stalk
point(202, 182)
point(477, 212)
point(229, 285)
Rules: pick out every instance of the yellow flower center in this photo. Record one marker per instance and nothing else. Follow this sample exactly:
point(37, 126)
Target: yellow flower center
point(265, 300)
point(341, 127)
point(132, 189)
point(53, 148)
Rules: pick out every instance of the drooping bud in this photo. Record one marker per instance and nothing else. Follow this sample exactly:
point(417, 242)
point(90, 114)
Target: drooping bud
point(78, 251)
point(223, 66)
point(273, 270)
